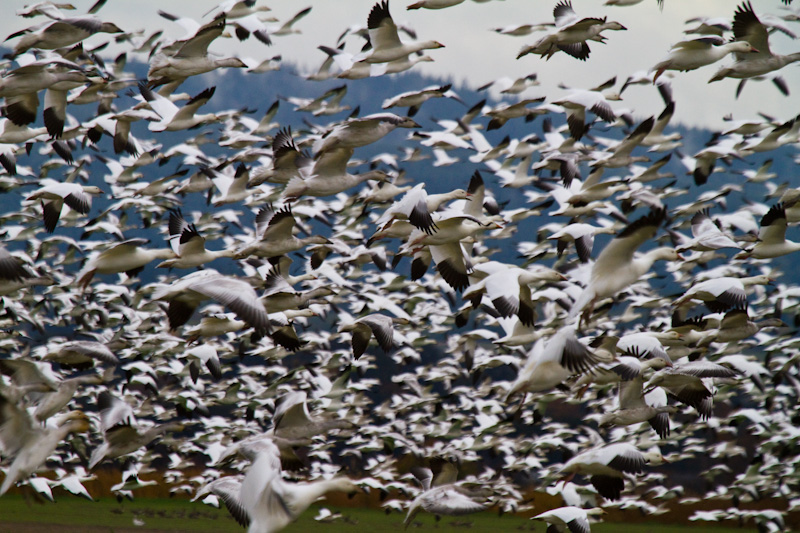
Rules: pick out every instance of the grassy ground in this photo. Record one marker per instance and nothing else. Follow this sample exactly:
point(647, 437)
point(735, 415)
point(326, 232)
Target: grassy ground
point(72, 515)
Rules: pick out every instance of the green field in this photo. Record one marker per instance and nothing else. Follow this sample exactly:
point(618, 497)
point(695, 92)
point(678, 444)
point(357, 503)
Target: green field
point(71, 514)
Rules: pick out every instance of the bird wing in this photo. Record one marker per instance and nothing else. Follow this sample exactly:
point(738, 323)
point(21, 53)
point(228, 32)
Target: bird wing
point(261, 492)
point(622, 247)
point(95, 350)
point(773, 225)
point(16, 426)
point(191, 242)
point(631, 394)
point(332, 162)
point(626, 459)
point(10, 267)
point(114, 412)
point(452, 263)
point(579, 524)
point(564, 14)
point(424, 476)
point(576, 357)
point(292, 411)
point(747, 27)
point(699, 43)
point(238, 295)
point(382, 328)
point(79, 200)
point(228, 489)
point(197, 46)
point(280, 226)
point(381, 27)
point(191, 107)
point(448, 500)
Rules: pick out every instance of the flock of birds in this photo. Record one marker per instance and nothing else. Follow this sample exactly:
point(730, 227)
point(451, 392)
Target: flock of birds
point(251, 357)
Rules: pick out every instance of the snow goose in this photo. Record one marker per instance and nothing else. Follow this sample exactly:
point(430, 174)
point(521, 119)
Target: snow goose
point(578, 101)
point(272, 503)
point(749, 29)
point(129, 256)
point(636, 407)
point(607, 466)
point(353, 70)
point(292, 421)
point(771, 236)
point(81, 354)
point(684, 382)
point(190, 57)
point(619, 154)
point(417, 205)
point(622, 368)
point(443, 495)
point(644, 77)
point(452, 226)
point(329, 103)
point(699, 52)
point(232, 188)
point(657, 139)
point(708, 26)
point(287, 161)
point(47, 8)
point(364, 328)
point(54, 195)
point(571, 33)
point(616, 267)
point(60, 33)
point(414, 99)
point(510, 292)
point(583, 237)
point(287, 28)
point(433, 4)
point(516, 179)
point(571, 518)
point(506, 85)
point(275, 235)
point(329, 176)
point(52, 402)
point(362, 131)
point(520, 30)
point(386, 44)
point(235, 9)
point(550, 363)
point(505, 111)
point(736, 325)
point(647, 344)
point(186, 293)
point(630, 3)
point(778, 136)
point(26, 377)
point(189, 246)
point(707, 236)
point(281, 296)
point(121, 433)
point(251, 25)
point(723, 292)
point(174, 118)
point(28, 442)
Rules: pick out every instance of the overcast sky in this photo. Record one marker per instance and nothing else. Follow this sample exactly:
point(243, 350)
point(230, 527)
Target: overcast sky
point(474, 54)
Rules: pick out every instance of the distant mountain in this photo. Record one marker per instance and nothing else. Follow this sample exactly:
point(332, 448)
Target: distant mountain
point(236, 89)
